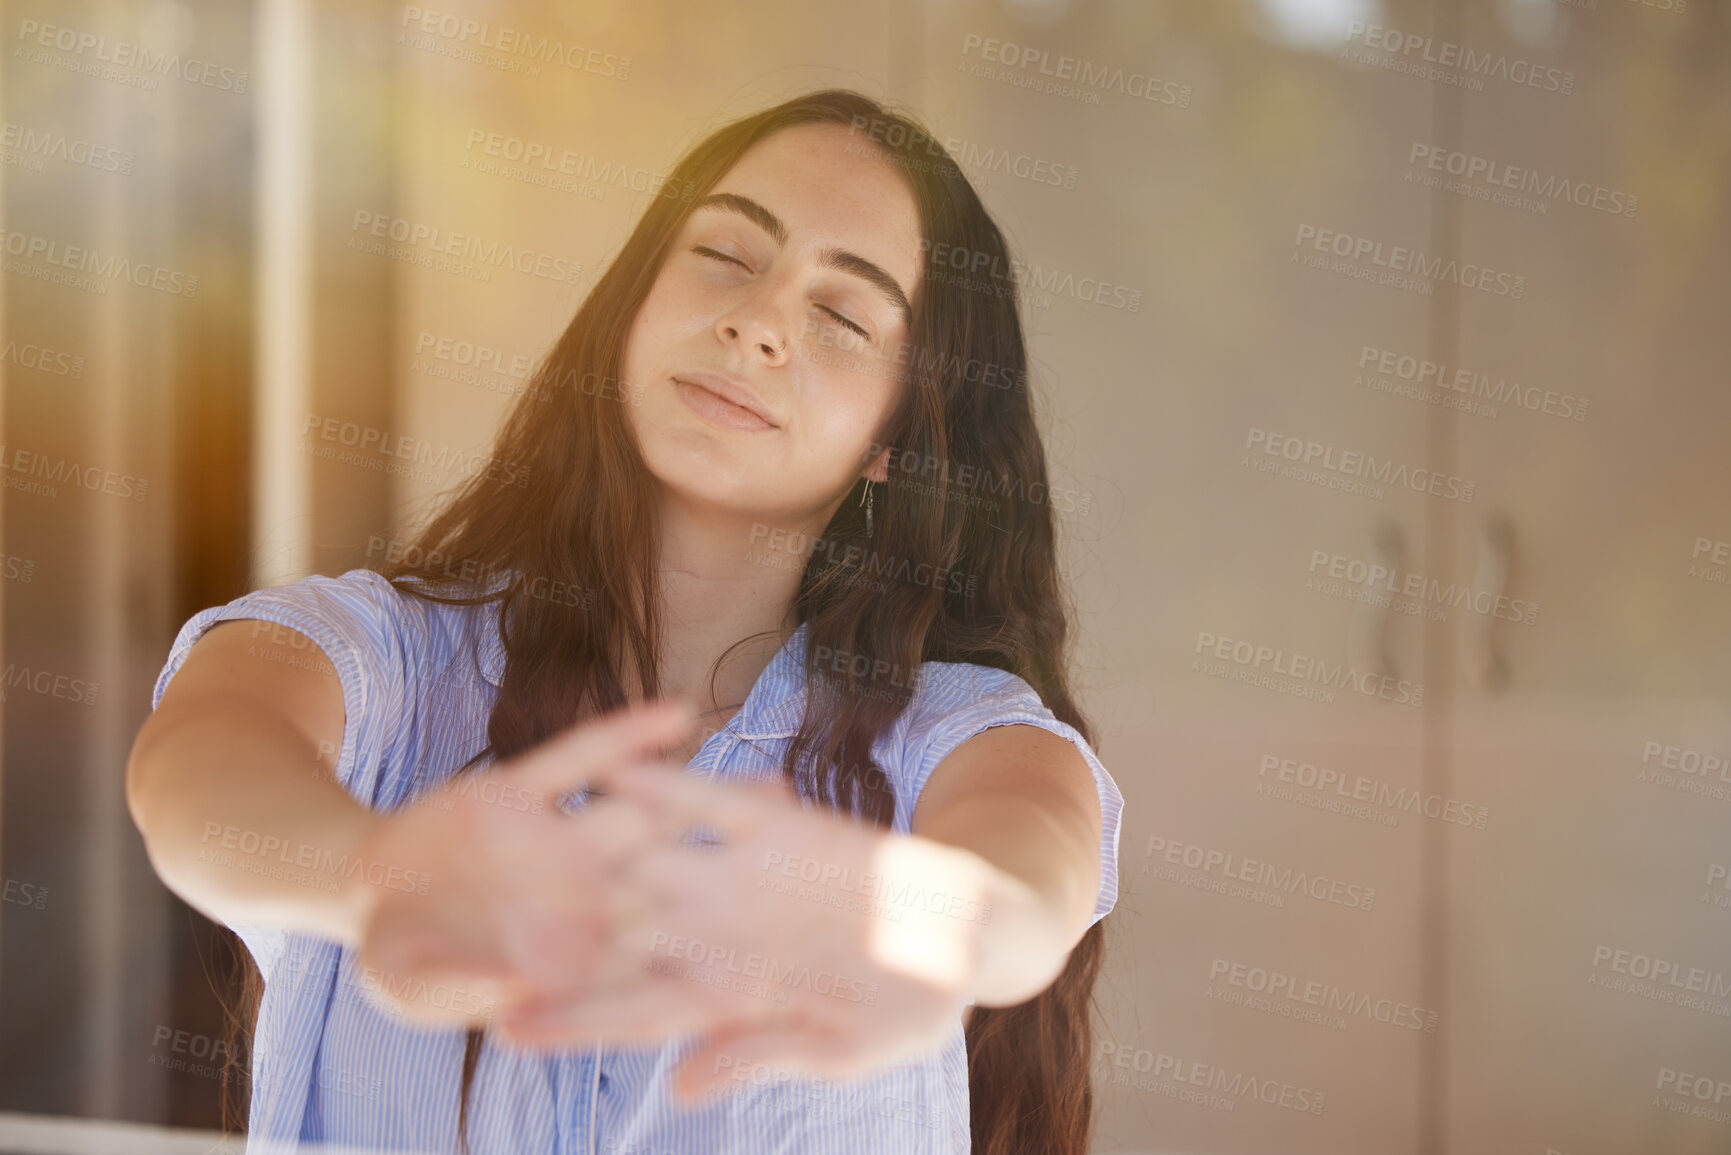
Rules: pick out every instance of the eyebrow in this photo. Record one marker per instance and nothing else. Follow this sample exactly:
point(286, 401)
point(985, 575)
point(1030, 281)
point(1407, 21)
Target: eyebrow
point(840, 259)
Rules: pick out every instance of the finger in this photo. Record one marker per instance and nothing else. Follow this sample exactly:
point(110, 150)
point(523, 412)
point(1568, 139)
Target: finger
point(599, 782)
point(594, 947)
point(736, 809)
point(555, 954)
point(602, 837)
point(398, 939)
point(656, 1009)
point(431, 997)
point(575, 756)
point(622, 829)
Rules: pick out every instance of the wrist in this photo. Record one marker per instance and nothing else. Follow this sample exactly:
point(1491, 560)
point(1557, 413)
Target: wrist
point(356, 895)
point(939, 899)
point(1020, 942)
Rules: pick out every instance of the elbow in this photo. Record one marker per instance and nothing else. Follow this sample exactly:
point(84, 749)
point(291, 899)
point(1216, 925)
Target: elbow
point(143, 775)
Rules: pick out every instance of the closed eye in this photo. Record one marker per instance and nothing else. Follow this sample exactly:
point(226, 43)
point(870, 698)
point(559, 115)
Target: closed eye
point(718, 255)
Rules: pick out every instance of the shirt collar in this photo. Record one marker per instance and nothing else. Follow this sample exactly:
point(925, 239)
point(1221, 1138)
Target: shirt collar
point(773, 709)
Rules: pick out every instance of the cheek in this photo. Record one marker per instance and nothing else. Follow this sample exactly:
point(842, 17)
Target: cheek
point(849, 417)
point(668, 313)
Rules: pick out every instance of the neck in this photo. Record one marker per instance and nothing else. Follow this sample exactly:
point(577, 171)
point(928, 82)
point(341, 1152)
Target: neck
point(720, 584)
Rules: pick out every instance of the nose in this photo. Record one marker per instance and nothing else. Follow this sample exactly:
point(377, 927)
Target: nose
point(761, 337)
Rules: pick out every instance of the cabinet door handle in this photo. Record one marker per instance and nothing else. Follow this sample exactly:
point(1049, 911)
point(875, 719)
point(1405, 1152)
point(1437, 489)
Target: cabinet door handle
point(1483, 664)
point(1370, 641)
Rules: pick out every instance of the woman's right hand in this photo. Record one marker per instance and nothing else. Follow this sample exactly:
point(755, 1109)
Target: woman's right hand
point(485, 890)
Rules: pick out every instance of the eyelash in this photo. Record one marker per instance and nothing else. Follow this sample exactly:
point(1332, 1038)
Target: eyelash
point(715, 254)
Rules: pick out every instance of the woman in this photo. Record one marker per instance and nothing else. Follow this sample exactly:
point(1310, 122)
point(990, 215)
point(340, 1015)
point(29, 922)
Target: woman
point(783, 466)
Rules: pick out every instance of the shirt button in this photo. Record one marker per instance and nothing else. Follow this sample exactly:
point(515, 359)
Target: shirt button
point(603, 1081)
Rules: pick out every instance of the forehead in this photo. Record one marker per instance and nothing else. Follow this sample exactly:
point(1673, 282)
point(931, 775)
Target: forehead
point(832, 187)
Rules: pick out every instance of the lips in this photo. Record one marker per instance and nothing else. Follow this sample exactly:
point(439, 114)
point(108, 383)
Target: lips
point(722, 401)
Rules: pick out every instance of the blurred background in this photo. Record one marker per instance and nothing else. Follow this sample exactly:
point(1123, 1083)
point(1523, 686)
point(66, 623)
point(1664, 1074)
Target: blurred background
point(1401, 472)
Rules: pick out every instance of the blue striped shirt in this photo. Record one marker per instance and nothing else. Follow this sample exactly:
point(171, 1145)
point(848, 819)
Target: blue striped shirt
point(418, 681)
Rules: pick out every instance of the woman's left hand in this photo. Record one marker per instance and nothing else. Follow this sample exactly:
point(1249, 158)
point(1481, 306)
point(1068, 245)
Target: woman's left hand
point(802, 939)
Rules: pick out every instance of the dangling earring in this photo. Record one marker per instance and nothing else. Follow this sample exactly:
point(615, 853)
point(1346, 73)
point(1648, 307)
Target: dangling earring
point(865, 499)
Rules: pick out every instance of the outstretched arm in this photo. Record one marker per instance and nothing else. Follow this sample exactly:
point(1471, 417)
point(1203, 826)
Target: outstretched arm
point(1023, 799)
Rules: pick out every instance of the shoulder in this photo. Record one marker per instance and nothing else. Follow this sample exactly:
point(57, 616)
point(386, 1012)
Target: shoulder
point(944, 691)
point(941, 688)
point(951, 702)
point(384, 644)
point(954, 701)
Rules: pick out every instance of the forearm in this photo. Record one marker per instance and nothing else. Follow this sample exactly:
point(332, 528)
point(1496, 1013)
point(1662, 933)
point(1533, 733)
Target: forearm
point(242, 819)
point(1040, 895)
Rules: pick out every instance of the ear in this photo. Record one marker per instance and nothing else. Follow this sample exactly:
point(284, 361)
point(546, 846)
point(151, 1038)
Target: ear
point(879, 469)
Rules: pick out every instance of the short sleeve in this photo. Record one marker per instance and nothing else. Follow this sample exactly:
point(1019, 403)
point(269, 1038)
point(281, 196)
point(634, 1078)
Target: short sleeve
point(356, 620)
point(953, 702)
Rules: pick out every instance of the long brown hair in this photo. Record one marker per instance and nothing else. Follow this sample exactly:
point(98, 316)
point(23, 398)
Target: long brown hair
point(967, 496)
